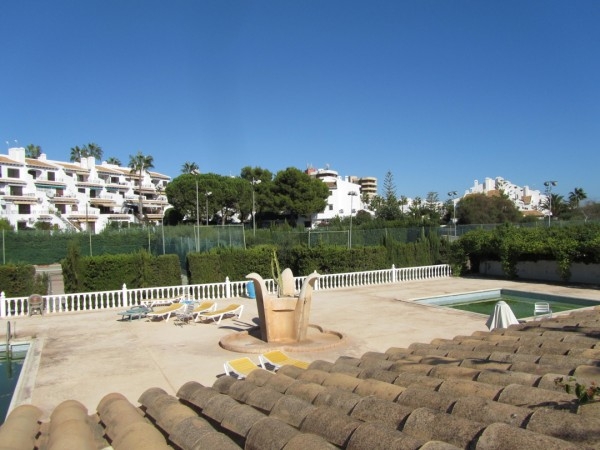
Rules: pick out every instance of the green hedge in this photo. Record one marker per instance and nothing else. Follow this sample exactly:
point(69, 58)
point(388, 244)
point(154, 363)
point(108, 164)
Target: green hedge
point(509, 245)
point(110, 272)
point(20, 280)
point(215, 266)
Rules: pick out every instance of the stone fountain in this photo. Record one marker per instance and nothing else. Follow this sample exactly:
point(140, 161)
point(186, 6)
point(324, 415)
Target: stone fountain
point(283, 319)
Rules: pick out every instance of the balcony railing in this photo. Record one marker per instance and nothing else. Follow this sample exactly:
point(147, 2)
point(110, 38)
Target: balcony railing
point(123, 298)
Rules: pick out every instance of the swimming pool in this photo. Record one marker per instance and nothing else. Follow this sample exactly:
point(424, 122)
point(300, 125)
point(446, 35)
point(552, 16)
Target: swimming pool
point(10, 369)
point(520, 302)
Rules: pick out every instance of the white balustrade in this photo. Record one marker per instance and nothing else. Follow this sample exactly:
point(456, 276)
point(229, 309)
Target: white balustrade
point(90, 301)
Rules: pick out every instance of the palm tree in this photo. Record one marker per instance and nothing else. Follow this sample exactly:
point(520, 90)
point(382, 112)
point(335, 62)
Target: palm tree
point(190, 167)
point(139, 164)
point(33, 151)
point(92, 149)
point(76, 154)
point(576, 196)
point(555, 203)
point(113, 160)
point(402, 203)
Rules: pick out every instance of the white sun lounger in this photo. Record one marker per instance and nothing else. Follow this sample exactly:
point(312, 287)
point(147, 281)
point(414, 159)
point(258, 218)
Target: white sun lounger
point(218, 314)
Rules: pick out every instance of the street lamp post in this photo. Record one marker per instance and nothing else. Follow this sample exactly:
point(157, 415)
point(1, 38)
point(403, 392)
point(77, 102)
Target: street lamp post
point(195, 172)
point(453, 195)
point(254, 183)
point(207, 194)
point(549, 185)
point(352, 194)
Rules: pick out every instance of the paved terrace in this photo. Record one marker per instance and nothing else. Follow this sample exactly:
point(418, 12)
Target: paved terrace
point(86, 355)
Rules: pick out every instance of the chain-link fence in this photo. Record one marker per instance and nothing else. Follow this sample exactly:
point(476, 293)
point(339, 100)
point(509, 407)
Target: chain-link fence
point(43, 247)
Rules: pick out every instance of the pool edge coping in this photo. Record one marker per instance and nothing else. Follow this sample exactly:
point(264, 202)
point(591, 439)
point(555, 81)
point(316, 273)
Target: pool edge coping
point(25, 384)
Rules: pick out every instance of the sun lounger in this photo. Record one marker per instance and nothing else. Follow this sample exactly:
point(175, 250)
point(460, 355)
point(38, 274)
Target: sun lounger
point(241, 367)
point(218, 314)
point(166, 312)
point(162, 301)
point(277, 358)
point(203, 307)
point(137, 312)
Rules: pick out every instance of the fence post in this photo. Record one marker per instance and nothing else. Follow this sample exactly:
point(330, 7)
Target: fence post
point(124, 296)
point(2, 304)
point(394, 274)
point(227, 288)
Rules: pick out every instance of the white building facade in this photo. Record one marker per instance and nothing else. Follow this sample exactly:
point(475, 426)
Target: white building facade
point(344, 196)
point(527, 200)
point(80, 196)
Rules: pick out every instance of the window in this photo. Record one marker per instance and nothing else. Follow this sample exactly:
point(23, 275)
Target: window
point(51, 176)
point(16, 190)
point(330, 207)
point(24, 209)
point(13, 173)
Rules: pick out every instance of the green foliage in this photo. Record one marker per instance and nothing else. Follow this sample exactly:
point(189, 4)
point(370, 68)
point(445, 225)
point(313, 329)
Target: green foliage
point(19, 280)
point(71, 268)
point(297, 194)
point(216, 265)
point(110, 272)
point(584, 393)
point(479, 208)
point(5, 225)
point(510, 245)
point(276, 270)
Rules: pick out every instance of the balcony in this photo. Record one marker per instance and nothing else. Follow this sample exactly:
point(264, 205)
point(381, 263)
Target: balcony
point(21, 198)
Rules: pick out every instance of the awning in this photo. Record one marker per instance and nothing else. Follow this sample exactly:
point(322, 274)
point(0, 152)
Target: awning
point(51, 186)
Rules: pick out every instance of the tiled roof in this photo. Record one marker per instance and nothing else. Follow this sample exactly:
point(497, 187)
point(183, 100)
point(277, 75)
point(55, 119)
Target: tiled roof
point(489, 390)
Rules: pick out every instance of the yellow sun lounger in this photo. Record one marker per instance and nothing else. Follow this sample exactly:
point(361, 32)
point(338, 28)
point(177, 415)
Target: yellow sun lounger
point(203, 307)
point(241, 367)
point(277, 358)
point(218, 314)
point(166, 312)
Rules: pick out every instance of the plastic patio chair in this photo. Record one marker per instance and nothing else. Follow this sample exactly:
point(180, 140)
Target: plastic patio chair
point(542, 309)
point(35, 304)
point(185, 314)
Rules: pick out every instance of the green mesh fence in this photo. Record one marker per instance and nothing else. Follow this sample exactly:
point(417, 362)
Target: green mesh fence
point(39, 247)
point(44, 247)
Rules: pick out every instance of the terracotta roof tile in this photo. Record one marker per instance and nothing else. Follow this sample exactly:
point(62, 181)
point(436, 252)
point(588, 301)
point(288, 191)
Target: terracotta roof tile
point(442, 395)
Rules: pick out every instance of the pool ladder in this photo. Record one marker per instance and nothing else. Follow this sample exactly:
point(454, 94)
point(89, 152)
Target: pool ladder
point(8, 338)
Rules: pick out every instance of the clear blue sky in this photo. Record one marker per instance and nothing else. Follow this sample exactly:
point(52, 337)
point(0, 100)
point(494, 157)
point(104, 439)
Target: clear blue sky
point(440, 93)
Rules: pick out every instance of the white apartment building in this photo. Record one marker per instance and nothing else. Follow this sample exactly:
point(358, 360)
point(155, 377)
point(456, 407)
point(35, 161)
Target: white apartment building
point(344, 196)
point(80, 196)
point(527, 200)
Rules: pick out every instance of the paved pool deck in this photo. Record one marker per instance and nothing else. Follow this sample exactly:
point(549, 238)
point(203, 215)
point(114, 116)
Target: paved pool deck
point(87, 355)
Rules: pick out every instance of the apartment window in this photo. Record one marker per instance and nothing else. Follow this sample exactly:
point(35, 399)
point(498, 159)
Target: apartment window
point(51, 176)
point(330, 207)
point(24, 209)
point(13, 173)
point(16, 190)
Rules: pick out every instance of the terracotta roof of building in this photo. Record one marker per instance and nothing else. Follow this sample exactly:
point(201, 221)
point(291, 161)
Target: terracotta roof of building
point(488, 390)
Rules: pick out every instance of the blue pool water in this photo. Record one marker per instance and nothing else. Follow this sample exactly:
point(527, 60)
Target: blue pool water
point(10, 369)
